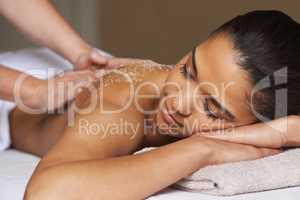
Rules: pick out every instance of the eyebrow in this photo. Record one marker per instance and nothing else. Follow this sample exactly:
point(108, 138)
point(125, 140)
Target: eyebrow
point(228, 114)
point(194, 61)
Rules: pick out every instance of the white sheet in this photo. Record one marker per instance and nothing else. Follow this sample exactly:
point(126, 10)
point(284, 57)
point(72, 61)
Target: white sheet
point(15, 170)
point(16, 167)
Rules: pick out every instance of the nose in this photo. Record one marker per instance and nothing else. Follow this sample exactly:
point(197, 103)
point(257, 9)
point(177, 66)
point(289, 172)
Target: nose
point(182, 105)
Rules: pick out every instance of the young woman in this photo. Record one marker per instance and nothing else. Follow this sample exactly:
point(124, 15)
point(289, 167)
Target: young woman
point(210, 89)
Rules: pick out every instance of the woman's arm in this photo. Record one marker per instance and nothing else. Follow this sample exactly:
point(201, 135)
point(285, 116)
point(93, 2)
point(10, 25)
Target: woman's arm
point(97, 166)
point(282, 132)
point(40, 21)
point(136, 176)
point(127, 177)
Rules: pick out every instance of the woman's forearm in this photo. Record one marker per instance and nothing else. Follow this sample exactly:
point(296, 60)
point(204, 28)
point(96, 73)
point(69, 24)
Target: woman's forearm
point(127, 177)
point(281, 132)
point(39, 20)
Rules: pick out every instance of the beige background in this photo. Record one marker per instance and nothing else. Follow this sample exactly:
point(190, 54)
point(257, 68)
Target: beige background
point(82, 14)
point(163, 30)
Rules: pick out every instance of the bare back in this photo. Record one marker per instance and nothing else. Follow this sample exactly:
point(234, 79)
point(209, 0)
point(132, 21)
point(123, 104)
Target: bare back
point(115, 127)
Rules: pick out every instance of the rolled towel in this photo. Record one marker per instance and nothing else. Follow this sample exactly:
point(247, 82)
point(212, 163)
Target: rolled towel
point(274, 172)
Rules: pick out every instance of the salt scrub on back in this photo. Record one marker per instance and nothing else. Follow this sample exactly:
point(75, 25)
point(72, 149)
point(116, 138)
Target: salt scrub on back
point(133, 73)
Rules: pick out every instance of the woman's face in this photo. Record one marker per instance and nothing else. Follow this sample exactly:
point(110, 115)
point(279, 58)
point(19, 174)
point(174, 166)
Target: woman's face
point(206, 91)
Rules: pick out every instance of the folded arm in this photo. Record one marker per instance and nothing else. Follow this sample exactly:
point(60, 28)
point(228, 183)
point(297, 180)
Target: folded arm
point(98, 165)
point(126, 177)
point(282, 132)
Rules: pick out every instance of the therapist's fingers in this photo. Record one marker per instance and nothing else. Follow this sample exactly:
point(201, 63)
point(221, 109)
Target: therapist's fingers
point(93, 59)
point(97, 58)
point(79, 76)
point(65, 87)
point(76, 81)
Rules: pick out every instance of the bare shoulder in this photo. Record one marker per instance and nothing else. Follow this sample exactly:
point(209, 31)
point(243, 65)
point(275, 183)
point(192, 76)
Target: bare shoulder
point(120, 85)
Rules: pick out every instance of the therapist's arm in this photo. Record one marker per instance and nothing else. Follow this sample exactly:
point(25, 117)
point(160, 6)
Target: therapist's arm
point(34, 93)
point(40, 21)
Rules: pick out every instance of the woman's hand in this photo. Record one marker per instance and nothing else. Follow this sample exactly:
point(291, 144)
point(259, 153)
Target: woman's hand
point(224, 152)
point(278, 133)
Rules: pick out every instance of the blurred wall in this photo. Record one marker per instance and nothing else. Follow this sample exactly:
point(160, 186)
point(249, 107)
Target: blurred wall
point(165, 30)
point(162, 30)
point(83, 15)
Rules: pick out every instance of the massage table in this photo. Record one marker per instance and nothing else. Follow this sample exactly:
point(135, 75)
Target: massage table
point(16, 167)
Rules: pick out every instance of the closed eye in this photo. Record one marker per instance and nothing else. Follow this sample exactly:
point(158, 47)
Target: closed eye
point(215, 110)
point(187, 74)
point(209, 111)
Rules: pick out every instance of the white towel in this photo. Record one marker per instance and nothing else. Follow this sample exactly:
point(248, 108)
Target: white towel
point(273, 172)
point(278, 171)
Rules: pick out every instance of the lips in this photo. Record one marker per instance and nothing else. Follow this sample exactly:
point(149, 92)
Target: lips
point(168, 118)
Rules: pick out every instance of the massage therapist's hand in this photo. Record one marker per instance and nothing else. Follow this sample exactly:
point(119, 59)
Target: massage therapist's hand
point(281, 132)
point(94, 59)
point(51, 94)
point(224, 152)
point(91, 58)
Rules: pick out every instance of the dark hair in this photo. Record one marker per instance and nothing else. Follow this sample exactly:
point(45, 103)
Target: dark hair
point(266, 42)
